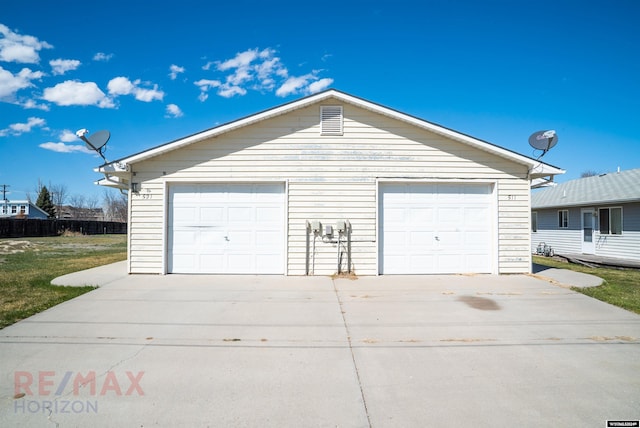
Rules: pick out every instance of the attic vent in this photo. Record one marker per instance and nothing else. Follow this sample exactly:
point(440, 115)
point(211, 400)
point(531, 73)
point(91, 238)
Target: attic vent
point(331, 120)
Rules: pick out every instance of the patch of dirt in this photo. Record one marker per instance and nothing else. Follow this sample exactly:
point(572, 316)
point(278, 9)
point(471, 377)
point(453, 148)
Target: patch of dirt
point(608, 338)
point(345, 275)
point(371, 341)
point(13, 247)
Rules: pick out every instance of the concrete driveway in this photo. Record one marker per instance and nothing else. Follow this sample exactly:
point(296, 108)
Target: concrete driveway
point(272, 351)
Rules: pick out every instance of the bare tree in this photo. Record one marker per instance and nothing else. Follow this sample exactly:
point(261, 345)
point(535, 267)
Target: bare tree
point(92, 202)
point(59, 194)
point(589, 173)
point(77, 201)
point(115, 206)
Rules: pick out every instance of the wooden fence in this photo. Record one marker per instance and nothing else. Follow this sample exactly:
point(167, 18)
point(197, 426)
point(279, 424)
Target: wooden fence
point(18, 228)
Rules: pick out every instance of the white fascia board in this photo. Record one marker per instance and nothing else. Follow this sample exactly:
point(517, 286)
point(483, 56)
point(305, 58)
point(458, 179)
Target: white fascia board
point(114, 168)
point(542, 182)
point(540, 170)
point(110, 181)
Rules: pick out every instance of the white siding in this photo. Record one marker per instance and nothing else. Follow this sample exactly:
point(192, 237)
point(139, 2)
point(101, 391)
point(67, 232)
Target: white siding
point(329, 178)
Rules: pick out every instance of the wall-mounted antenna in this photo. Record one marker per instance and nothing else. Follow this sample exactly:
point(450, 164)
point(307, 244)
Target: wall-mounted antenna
point(96, 142)
point(543, 140)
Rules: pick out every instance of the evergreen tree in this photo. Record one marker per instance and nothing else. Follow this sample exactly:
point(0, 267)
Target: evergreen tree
point(44, 202)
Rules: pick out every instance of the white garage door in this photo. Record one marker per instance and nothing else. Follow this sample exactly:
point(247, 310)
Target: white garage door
point(226, 228)
point(435, 228)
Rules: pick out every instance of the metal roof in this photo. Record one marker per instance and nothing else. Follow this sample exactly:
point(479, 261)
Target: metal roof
point(613, 187)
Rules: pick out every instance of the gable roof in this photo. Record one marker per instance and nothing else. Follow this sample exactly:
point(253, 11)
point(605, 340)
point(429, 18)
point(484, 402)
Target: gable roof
point(616, 187)
point(537, 169)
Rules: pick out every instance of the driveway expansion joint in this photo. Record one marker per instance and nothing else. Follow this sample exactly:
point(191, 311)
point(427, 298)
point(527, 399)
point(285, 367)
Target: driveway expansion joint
point(353, 357)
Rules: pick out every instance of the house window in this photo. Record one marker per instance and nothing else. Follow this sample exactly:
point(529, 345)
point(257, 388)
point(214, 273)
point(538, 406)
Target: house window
point(563, 219)
point(14, 209)
point(534, 222)
point(23, 209)
point(610, 221)
point(331, 120)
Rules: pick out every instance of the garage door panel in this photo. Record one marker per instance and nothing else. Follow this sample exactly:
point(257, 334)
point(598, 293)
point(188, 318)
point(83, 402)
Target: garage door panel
point(214, 262)
point(185, 215)
point(476, 239)
point(450, 239)
point(269, 215)
point(213, 215)
point(435, 228)
point(421, 239)
point(226, 228)
point(419, 216)
point(184, 237)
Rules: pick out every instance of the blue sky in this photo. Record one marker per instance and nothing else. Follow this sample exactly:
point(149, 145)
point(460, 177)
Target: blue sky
point(153, 72)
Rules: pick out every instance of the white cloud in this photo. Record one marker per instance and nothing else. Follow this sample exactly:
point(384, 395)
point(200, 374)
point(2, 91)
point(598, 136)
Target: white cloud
point(29, 104)
point(10, 83)
point(120, 86)
point(242, 59)
point(68, 136)
point(228, 91)
point(175, 70)
point(22, 128)
point(66, 148)
point(17, 48)
point(102, 57)
point(124, 86)
point(173, 111)
point(148, 95)
point(72, 92)
point(294, 85)
point(205, 85)
point(320, 85)
point(306, 84)
point(260, 70)
point(61, 66)
point(252, 69)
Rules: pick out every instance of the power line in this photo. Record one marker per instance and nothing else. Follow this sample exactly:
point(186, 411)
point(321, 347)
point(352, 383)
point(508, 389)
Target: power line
point(4, 191)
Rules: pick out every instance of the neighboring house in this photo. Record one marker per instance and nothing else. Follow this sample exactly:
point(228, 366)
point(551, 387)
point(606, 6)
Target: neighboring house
point(67, 212)
point(327, 184)
point(21, 209)
point(594, 215)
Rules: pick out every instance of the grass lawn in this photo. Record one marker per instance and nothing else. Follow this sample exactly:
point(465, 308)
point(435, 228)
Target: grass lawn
point(27, 266)
point(621, 287)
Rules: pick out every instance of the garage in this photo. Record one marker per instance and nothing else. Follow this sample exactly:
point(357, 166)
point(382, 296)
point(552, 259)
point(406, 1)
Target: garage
point(435, 228)
point(226, 228)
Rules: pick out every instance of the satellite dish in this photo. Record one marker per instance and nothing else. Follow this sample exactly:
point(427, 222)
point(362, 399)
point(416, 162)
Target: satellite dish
point(99, 139)
point(96, 141)
point(543, 140)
